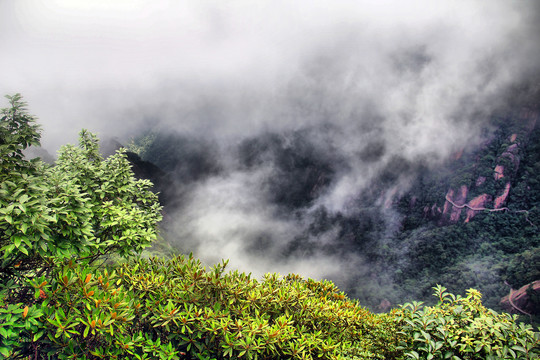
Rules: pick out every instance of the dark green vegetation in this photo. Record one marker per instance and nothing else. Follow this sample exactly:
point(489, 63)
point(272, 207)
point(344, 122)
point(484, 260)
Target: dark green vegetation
point(494, 250)
point(72, 287)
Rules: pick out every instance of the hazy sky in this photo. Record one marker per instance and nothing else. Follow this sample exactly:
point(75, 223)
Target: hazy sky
point(222, 66)
point(415, 78)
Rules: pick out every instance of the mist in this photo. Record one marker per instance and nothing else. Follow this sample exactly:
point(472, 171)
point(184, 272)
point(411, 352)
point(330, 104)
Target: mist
point(362, 90)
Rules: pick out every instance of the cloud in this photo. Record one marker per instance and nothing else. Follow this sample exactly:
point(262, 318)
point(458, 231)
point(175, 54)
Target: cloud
point(263, 65)
point(375, 83)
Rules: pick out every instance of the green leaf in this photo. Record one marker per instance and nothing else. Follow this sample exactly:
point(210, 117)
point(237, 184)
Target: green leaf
point(17, 241)
point(4, 351)
point(8, 250)
point(38, 335)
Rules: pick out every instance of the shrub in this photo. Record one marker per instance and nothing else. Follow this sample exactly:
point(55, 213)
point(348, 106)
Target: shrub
point(462, 328)
point(170, 309)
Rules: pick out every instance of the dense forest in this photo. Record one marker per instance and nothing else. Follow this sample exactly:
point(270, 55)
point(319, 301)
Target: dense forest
point(74, 286)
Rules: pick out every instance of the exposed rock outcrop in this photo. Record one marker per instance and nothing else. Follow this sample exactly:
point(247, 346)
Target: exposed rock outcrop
point(506, 167)
point(450, 210)
point(478, 203)
point(512, 153)
point(433, 212)
point(500, 200)
point(498, 173)
point(480, 181)
point(519, 301)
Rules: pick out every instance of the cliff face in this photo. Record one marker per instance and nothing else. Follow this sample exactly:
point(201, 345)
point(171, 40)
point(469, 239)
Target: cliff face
point(521, 301)
point(455, 201)
point(505, 167)
point(476, 204)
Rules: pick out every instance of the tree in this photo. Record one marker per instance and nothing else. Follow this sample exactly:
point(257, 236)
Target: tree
point(82, 209)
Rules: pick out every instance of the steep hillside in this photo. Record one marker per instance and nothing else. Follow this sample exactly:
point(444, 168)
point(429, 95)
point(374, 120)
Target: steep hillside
point(470, 224)
point(470, 221)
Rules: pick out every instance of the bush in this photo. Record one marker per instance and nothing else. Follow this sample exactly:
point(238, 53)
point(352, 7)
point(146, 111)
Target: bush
point(461, 328)
point(169, 309)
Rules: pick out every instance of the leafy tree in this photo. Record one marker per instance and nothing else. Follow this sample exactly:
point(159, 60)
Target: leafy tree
point(80, 210)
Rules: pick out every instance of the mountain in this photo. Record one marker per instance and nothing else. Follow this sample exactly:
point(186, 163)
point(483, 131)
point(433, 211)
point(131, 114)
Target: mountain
point(468, 221)
point(475, 222)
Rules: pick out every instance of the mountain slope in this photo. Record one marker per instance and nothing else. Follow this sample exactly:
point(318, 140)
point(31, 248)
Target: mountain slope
point(470, 221)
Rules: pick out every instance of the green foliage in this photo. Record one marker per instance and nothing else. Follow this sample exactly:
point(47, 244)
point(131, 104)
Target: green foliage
point(77, 211)
point(153, 308)
point(82, 208)
point(218, 314)
point(171, 309)
point(524, 268)
point(81, 313)
point(17, 132)
point(462, 328)
point(124, 211)
point(141, 144)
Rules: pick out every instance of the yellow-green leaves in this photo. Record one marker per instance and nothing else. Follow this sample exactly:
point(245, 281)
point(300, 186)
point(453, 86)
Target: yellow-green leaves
point(462, 328)
point(214, 314)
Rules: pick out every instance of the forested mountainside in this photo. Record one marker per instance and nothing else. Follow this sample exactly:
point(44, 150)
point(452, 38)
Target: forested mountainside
point(469, 221)
point(475, 224)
